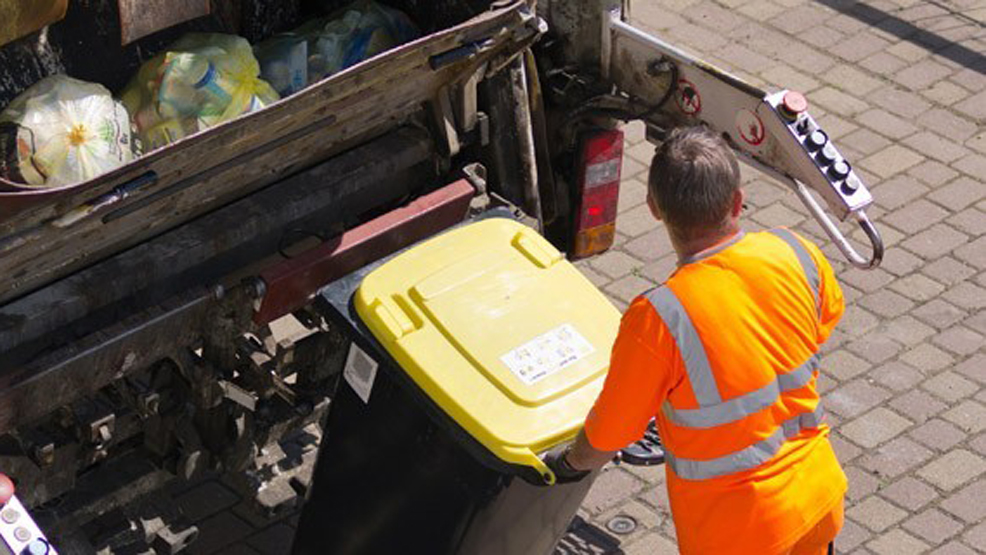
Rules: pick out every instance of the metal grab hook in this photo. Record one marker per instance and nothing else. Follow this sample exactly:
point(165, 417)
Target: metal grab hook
point(840, 240)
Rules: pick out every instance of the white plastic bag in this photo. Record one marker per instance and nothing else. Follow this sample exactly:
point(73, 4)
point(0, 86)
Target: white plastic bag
point(62, 131)
point(200, 81)
point(284, 62)
point(361, 31)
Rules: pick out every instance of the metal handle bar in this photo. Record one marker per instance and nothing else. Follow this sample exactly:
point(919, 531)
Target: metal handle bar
point(840, 240)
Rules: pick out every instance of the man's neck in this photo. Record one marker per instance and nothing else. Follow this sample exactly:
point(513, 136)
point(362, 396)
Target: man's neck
point(691, 246)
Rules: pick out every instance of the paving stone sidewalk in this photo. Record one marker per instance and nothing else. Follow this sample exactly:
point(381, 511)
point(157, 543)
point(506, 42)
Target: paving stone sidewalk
point(900, 85)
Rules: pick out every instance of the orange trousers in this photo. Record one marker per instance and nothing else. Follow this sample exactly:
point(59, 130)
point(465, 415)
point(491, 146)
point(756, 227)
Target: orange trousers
point(817, 540)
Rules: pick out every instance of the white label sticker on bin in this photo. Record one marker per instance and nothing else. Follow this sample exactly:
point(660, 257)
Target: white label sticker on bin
point(360, 372)
point(547, 353)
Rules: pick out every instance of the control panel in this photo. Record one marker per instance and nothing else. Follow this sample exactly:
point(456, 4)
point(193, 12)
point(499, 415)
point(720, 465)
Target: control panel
point(834, 177)
point(19, 535)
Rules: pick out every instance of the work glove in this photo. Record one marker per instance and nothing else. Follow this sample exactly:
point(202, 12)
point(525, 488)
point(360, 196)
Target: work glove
point(564, 472)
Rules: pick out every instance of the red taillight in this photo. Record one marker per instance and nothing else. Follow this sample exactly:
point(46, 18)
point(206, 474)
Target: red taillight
point(599, 188)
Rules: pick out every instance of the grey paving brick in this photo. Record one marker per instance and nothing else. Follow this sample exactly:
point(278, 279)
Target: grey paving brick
point(927, 358)
point(650, 246)
point(886, 303)
point(959, 194)
point(935, 146)
point(851, 536)
point(945, 93)
point(863, 141)
point(876, 514)
point(954, 548)
point(948, 270)
point(901, 262)
point(897, 542)
point(897, 376)
point(967, 502)
point(837, 128)
point(968, 415)
point(859, 46)
point(950, 387)
point(875, 427)
point(861, 484)
point(651, 543)
point(976, 536)
point(960, 340)
point(922, 74)
point(932, 172)
point(899, 191)
point(206, 499)
point(760, 192)
point(946, 124)
point(785, 77)
point(891, 160)
point(777, 215)
point(900, 102)
point(974, 106)
point(884, 122)
point(883, 63)
point(876, 348)
point(614, 264)
point(611, 487)
point(918, 287)
point(966, 295)
point(659, 270)
point(844, 450)
point(953, 469)
point(895, 458)
point(909, 493)
point(971, 221)
point(636, 221)
point(855, 397)
point(932, 526)
point(917, 405)
point(974, 253)
point(938, 434)
point(935, 241)
point(974, 368)
point(838, 102)
point(973, 164)
point(627, 288)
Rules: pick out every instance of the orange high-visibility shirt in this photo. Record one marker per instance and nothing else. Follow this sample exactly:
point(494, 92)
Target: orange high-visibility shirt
point(730, 374)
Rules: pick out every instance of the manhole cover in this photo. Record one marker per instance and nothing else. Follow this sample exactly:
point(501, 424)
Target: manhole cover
point(622, 525)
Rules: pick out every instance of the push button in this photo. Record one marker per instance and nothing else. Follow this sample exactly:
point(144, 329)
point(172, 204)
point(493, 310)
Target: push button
point(37, 547)
point(840, 170)
point(9, 515)
point(827, 154)
point(793, 104)
point(816, 140)
point(6, 489)
point(22, 534)
point(851, 185)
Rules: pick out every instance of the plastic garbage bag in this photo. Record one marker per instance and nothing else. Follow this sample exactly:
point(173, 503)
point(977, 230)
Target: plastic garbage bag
point(198, 82)
point(284, 62)
point(360, 31)
point(62, 131)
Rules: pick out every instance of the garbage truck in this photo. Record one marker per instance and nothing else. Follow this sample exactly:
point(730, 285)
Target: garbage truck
point(159, 322)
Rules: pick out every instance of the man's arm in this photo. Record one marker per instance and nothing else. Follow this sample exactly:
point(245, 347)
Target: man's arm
point(637, 383)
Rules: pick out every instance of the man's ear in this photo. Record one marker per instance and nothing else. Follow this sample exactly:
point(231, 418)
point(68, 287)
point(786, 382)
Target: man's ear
point(654, 209)
point(738, 197)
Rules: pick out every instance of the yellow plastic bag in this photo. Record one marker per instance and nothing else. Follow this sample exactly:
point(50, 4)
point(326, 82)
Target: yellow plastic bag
point(62, 131)
point(200, 81)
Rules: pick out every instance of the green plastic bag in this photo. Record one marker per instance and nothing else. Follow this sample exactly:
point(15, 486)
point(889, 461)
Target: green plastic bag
point(198, 82)
point(62, 131)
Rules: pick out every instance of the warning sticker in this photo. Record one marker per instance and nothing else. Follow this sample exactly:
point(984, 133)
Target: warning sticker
point(687, 98)
point(360, 372)
point(750, 127)
point(547, 353)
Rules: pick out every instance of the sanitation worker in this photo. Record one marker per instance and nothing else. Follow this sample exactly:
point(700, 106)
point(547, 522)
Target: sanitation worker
point(724, 356)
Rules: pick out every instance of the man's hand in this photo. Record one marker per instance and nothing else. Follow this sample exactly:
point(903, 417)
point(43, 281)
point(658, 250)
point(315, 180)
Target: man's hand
point(564, 472)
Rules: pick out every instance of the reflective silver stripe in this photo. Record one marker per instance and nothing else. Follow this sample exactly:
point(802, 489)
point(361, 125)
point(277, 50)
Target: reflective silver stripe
point(740, 407)
point(745, 459)
point(807, 264)
point(714, 250)
point(697, 366)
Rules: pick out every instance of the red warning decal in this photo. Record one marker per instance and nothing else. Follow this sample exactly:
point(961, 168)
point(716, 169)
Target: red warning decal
point(688, 98)
point(750, 127)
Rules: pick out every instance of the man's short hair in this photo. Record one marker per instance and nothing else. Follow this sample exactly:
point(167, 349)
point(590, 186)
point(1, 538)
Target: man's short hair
point(693, 178)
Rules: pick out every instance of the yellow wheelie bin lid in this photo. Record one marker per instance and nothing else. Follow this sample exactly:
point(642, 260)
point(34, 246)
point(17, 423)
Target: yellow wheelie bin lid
point(499, 330)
